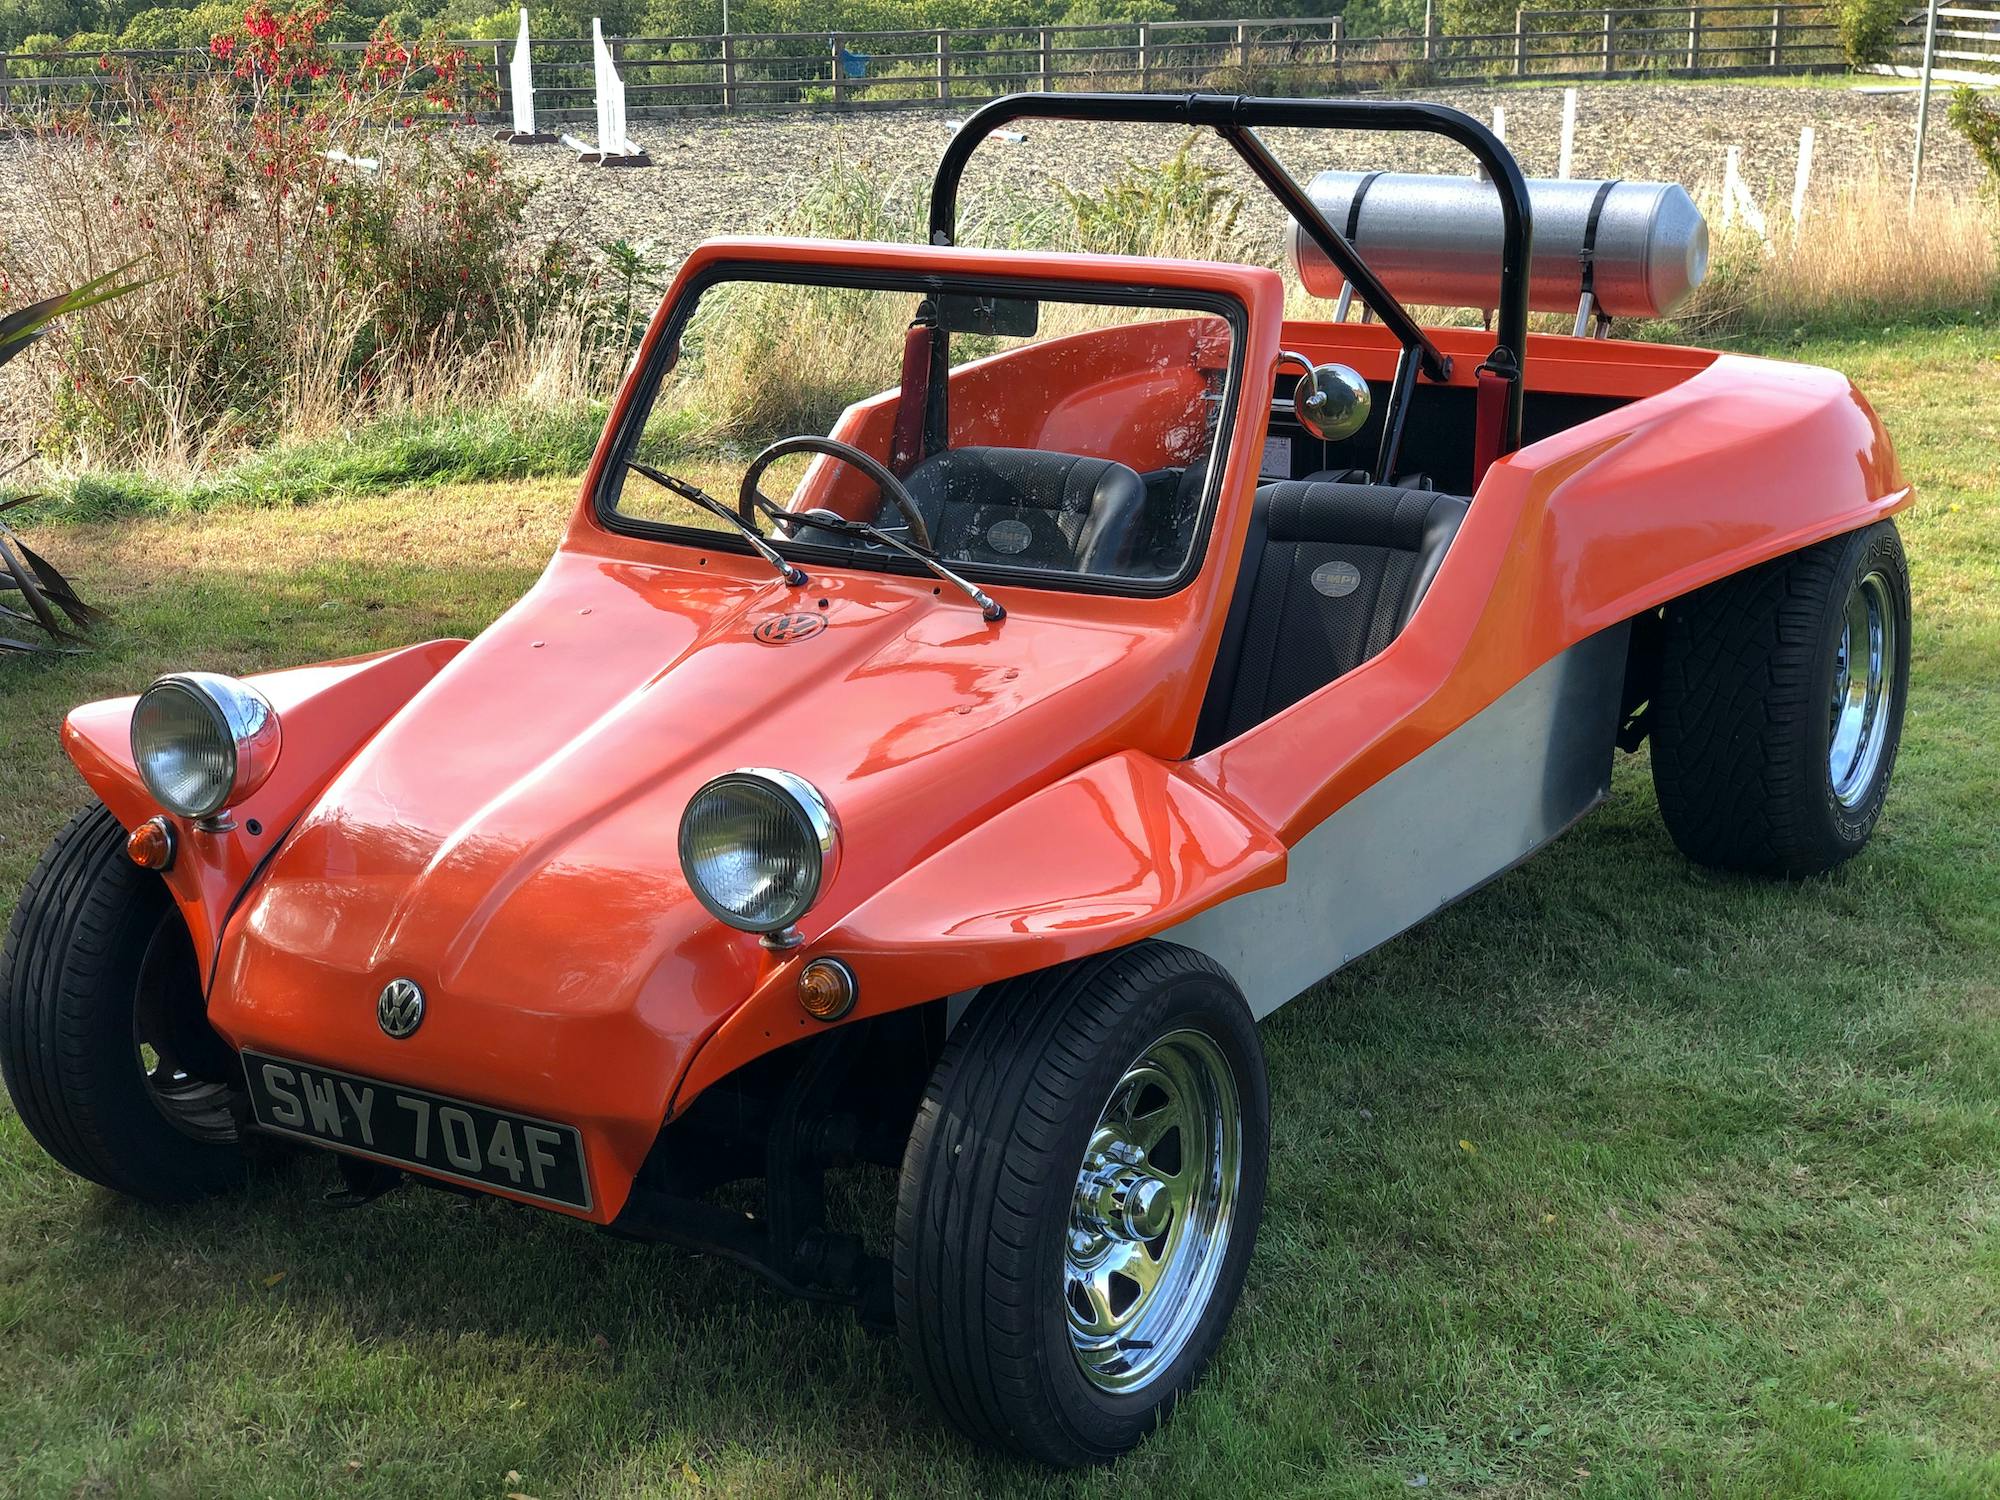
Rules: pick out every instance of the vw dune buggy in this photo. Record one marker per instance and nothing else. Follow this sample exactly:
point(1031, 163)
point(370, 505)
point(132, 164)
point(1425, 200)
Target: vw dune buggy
point(1090, 663)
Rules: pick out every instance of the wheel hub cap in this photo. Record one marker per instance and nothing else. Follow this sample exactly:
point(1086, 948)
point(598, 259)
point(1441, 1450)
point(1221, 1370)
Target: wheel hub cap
point(1864, 679)
point(1154, 1208)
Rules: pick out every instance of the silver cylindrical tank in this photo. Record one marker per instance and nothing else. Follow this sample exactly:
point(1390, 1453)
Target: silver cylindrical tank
point(1436, 241)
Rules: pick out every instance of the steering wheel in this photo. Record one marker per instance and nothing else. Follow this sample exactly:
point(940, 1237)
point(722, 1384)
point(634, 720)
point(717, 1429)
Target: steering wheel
point(750, 499)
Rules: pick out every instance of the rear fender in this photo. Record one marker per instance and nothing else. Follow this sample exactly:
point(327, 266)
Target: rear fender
point(326, 713)
point(1115, 852)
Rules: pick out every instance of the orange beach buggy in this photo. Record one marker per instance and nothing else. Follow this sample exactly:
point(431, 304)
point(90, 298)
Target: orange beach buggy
point(1111, 662)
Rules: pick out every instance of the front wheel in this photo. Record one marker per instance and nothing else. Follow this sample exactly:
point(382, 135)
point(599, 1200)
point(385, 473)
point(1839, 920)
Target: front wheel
point(104, 1045)
point(1079, 1201)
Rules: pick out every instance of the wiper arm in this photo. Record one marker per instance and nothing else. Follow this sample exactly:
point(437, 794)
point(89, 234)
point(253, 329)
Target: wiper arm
point(988, 605)
point(695, 495)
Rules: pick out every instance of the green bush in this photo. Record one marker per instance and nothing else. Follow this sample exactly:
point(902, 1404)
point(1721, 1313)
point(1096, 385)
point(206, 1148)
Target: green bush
point(1867, 29)
point(1979, 122)
point(1182, 207)
point(159, 27)
point(293, 288)
point(23, 22)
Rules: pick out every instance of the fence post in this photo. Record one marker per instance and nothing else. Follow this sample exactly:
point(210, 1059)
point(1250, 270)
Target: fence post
point(944, 64)
point(1048, 60)
point(1605, 49)
point(1694, 38)
point(1243, 45)
point(1145, 57)
point(728, 71)
point(6, 90)
point(1339, 34)
point(1520, 44)
point(1777, 34)
point(1430, 30)
point(839, 70)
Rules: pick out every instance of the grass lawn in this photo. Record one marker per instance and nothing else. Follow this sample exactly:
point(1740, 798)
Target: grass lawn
point(1620, 1178)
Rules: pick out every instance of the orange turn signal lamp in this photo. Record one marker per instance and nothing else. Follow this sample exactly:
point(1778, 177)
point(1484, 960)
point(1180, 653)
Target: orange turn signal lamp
point(151, 845)
point(827, 989)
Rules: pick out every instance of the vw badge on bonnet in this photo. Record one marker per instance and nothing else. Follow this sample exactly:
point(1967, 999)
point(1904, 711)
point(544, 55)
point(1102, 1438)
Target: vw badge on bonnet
point(400, 1008)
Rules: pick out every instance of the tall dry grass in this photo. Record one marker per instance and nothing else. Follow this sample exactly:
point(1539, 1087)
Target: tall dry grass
point(290, 295)
point(1862, 254)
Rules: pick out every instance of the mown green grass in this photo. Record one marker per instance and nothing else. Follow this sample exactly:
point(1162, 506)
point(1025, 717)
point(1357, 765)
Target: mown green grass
point(1619, 1179)
point(506, 441)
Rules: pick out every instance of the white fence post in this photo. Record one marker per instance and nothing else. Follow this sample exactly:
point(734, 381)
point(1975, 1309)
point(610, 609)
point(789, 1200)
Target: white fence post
point(1737, 198)
point(1924, 100)
point(1803, 176)
point(1568, 155)
point(521, 80)
point(611, 137)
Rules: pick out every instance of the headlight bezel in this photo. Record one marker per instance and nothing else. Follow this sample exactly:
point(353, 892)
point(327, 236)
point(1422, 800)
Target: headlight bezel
point(246, 729)
point(818, 830)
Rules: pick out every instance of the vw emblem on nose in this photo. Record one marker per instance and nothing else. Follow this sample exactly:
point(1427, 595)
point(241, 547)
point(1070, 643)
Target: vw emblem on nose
point(400, 1008)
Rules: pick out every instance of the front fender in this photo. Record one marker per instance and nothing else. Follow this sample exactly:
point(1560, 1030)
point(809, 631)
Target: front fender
point(1115, 852)
point(326, 712)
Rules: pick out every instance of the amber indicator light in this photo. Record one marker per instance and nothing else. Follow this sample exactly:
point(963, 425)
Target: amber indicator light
point(826, 989)
point(151, 845)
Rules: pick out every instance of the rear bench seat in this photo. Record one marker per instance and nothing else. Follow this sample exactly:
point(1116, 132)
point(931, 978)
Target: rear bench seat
point(1331, 574)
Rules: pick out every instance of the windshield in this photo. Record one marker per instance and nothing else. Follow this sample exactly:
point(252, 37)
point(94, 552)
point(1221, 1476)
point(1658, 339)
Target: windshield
point(1045, 438)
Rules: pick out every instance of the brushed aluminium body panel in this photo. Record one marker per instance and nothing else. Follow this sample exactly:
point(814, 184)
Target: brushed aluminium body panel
point(1471, 807)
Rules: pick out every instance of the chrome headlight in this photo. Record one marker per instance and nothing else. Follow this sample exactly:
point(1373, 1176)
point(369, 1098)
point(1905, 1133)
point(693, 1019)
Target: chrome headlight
point(756, 846)
point(203, 742)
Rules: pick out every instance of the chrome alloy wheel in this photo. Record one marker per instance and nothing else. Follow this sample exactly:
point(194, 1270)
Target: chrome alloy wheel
point(1864, 684)
point(1154, 1212)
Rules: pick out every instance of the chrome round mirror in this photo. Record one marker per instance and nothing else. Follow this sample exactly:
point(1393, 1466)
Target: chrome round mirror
point(1331, 402)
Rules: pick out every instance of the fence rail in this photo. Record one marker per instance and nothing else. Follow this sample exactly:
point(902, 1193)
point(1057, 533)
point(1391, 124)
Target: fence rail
point(766, 71)
point(1966, 48)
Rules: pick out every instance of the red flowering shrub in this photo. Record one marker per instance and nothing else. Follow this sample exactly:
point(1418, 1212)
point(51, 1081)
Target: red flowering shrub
point(320, 243)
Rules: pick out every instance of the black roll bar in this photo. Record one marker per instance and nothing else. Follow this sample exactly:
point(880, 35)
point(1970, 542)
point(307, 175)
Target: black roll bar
point(1235, 117)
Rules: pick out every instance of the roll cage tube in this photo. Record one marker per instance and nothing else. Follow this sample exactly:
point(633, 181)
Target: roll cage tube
point(1234, 118)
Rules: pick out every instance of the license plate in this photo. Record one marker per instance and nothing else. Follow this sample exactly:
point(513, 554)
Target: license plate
point(456, 1138)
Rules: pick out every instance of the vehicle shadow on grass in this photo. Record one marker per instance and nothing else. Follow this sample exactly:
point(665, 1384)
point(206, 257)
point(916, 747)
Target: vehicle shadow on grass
point(1496, 1143)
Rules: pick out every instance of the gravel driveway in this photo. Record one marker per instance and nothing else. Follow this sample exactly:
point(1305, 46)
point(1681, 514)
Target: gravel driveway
point(718, 176)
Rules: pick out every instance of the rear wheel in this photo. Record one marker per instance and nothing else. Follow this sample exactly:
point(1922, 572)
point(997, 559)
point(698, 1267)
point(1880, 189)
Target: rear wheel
point(104, 1045)
point(1079, 1201)
point(1780, 706)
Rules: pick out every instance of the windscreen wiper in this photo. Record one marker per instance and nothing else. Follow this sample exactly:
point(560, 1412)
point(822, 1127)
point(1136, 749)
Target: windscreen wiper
point(988, 605)
point(697, 496)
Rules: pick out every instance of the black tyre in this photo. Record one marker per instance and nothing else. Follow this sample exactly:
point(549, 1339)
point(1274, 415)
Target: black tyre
point(1780, 706)
point(103, 1042)
point(1079, 1201)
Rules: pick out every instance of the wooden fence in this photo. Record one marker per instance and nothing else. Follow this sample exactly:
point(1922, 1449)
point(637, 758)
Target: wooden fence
point(887, 69)
point(1966, 47)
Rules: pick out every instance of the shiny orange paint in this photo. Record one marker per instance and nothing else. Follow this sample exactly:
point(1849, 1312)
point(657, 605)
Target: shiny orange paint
point(1011, 795)
point(330, 708)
